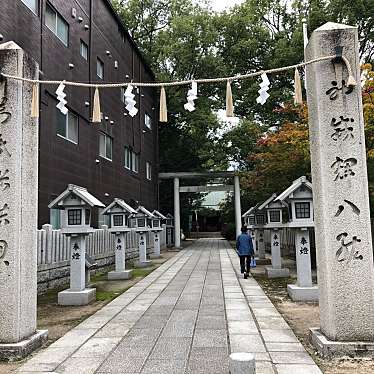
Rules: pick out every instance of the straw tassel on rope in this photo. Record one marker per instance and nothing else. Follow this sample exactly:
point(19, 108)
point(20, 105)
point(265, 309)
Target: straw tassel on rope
point(35, 101)
point(298, 98)
point(163, 107)
point(229, 102)
point(96, 112)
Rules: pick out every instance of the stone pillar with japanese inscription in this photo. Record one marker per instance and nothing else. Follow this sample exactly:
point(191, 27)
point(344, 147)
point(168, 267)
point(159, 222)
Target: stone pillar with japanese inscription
point(261, 244)
point(120, 271)
point(143, 262)
point(340, 192)
point(276, 270)
point(156, 245)
point(304, 289)
point(18, 207)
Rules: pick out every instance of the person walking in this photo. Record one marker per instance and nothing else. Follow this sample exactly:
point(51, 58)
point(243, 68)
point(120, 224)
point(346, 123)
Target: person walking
point(244, 248)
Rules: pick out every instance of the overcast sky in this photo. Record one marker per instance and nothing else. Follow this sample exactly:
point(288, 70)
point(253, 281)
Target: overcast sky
point(220, 5)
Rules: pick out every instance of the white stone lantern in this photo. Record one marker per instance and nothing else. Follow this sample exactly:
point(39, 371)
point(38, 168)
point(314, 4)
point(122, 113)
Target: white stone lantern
point(249, 221)
point(169, 230)
point(77, 203)
point(299, 198)
point(142, 223)
point(256, 219)
point(274, 217)
point(156, 229)
point(119, 213)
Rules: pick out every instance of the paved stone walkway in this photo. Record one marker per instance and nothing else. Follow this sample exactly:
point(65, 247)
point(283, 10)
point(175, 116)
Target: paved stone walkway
point(185, 317)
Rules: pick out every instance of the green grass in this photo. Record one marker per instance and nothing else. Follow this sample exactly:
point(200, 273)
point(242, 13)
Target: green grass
point(109, 295)
point(141, 272)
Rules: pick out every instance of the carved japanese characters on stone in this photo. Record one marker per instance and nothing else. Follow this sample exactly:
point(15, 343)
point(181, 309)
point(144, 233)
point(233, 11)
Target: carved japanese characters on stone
point(353, 206)
point(348, 249)
point(4, 114)
point(119, 245)
point(275, 241)
point(76, 255)
point(343, 128)
point(344, 168)
point(304, 250)
point(4, 220)
point(3, 148)
point(3, 248)
point(333, 91)
point(4, 180)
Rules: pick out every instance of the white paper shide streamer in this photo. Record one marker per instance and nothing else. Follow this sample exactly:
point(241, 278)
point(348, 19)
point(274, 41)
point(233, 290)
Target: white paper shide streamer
point(61, 99)
point(264, 87)
point(191, 97)
point(130, 102)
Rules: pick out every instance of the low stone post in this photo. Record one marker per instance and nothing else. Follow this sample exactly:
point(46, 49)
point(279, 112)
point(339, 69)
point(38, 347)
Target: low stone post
point(242, 363)
point(261, 244)
point(156, 245)
point(120, 271)
point(77, 264)
point(276, 270)
point(18, 207)
point(143, 262)
point(340, 193)
point(304, 290)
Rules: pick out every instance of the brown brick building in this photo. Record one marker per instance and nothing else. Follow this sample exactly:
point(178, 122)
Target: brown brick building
point(84, 40)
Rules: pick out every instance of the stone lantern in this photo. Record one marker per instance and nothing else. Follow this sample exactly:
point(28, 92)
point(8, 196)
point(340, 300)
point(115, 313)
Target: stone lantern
point(274, 217)
point(169, 230)
point(119, 213)
point(142, 223)
point(256, 219)
point(299, 199)
point(249, 221)
point(156, 229)
point(77, 203)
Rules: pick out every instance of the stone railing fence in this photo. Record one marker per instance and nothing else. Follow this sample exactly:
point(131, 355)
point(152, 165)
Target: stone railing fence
point(54, 253)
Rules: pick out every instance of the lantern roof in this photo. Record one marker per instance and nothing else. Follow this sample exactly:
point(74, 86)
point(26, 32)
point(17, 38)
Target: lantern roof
point(121, 203)
point(157, 214)
point(78, 191)
point(143, 210)
point(302, 181)
point(272, 203)
point(251, 210)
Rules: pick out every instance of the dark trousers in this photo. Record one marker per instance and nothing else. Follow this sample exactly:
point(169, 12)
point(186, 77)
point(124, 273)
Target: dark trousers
point(245, 260)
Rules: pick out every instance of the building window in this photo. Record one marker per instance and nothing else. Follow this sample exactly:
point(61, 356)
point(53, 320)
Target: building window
point(148, 170)
point(106, 146)
point(118, 220)
point(84, 50)
point(100, 68)
point(274, 215)
point(131, 160)
point(260, 219)
point(148, 121)
point(302, 210)
point(135, 162)
point(141, 222)
point(57, 24)
point(123, 94)
point(67, 126)
point(128, 161)
point(32, 5)
point(251, 220)
point(74, 217)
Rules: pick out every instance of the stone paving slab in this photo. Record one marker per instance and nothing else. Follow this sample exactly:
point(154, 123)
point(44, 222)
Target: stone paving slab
point(183, 318)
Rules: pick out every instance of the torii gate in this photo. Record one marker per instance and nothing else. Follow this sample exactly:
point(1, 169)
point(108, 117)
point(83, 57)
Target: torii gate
point(210, 175)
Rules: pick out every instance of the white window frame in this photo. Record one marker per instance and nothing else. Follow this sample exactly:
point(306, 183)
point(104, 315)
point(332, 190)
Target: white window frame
point(102, 134)
point(57, 17)
point(101, 64)
point(85, 48)
point(123, 94)
point(33, 8)
point(135, 162)
point(127, 160)
point(148, 171)
point(68, 117)
point(147, 121)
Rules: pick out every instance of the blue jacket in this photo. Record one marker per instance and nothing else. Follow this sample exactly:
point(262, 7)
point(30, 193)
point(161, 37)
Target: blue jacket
point(244, 245)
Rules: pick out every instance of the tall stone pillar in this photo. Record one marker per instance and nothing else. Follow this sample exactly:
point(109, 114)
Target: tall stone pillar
point(261, 244)
point(340, 190)
point(143, 262)
point(18, 207)
point(120, 271)
point(177, 214)
point(156, 245)
point(238, 209)
point(304, 290)
point(276, 270)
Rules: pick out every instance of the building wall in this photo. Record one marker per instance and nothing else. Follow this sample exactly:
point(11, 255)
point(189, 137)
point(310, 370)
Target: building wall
point(61, 161)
